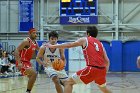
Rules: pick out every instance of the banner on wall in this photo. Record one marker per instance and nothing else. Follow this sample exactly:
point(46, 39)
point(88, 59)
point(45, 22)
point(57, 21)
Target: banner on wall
point(65, 20)
point(26, 15)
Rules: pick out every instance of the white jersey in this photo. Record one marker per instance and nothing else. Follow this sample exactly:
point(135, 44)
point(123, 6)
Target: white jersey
point(49, 56)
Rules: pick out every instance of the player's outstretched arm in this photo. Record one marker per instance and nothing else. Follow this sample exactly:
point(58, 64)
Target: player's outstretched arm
point(79, 42)
point(62, 55)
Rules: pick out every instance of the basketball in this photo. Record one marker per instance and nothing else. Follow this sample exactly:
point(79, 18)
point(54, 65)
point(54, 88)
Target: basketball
point(58, 64)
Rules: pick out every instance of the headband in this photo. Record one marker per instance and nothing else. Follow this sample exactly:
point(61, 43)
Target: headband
point(32, 30)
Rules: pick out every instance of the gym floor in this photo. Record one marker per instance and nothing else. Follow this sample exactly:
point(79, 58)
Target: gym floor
point(117, 82)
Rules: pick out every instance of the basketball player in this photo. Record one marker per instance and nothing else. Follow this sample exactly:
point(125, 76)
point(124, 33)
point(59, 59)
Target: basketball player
point(48, 55)
point(23, 54)
point(97, 62)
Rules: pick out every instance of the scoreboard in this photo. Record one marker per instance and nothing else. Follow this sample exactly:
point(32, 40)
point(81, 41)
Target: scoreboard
point(78, 12)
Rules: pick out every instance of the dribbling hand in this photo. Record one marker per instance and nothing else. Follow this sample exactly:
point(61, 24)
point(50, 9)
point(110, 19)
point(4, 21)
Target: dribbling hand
point(44, 64)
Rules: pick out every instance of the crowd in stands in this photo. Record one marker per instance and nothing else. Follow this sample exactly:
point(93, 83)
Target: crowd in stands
point(7, 63)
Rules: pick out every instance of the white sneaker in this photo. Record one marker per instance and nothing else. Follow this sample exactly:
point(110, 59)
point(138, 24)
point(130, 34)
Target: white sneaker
point(6, 73)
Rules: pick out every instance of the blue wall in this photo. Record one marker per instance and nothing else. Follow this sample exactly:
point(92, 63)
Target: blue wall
point(116, 56)
point(108, 50)
point(131, 50)
point(123, 55)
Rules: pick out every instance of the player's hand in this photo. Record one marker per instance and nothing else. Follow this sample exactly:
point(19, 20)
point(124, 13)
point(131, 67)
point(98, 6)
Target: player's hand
point(49, 45)
point(44, 64)
point(63, 68)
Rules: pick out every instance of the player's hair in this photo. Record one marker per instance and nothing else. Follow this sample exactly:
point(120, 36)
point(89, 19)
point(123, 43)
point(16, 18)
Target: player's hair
point(92, 31)
point(53, 34)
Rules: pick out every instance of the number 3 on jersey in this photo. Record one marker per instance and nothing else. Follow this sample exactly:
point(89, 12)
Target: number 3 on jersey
point(96, 46)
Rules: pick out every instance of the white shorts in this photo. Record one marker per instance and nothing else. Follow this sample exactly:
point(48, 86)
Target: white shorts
point(61, 74)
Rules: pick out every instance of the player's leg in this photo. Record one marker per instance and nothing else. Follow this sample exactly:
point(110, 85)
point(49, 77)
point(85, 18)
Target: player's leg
point(74, 79)
point(31, 73)
point(27, 70)
point(81, 76)
point(53, 75)
point(68, 86)
point(57, 84)
point(62, 75)
point(101, 80)
point(104, 88)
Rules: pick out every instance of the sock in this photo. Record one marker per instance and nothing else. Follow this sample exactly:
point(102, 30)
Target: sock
point(28, 91)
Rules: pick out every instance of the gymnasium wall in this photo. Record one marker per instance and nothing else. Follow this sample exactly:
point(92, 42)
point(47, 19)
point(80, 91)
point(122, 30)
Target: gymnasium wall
point(122, 55)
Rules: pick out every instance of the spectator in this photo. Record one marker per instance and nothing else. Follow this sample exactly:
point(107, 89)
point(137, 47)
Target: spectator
point(5, 63)
point(11, 58)
point(1, 52)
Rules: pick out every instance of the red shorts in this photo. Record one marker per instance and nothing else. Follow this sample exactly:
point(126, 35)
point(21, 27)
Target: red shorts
point(90, 74)
point(25, 65)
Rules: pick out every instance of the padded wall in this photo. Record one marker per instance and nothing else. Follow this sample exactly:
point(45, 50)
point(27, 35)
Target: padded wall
point(122, 55)
point(131, 50)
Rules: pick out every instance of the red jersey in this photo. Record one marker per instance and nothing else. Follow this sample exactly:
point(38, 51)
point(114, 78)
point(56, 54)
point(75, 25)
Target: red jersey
point(93, 52)
point(27, 53)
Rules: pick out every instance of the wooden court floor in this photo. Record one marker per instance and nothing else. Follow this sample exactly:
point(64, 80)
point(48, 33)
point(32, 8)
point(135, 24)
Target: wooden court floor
point(117, 82)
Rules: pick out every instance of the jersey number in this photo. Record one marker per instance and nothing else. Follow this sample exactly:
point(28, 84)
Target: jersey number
point(51, 59)
point(96, 46)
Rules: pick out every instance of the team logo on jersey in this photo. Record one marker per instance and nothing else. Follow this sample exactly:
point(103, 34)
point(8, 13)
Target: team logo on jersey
point(52, 56)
